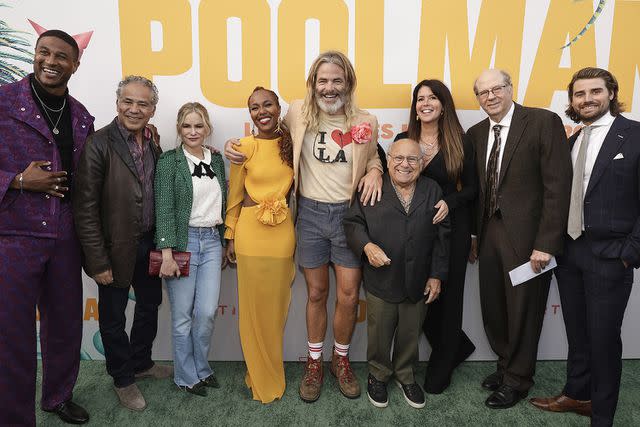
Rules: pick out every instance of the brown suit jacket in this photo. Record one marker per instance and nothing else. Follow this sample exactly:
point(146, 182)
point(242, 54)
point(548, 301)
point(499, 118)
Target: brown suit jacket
point(365, 156)
point(534, 188)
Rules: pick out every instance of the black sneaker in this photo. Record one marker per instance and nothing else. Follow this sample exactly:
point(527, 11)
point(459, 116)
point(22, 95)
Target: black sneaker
point(211, 381)
point(413, 394)
point(377, 392)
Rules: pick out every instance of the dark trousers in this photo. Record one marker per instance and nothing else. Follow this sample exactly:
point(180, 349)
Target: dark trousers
point(512, 315)
point(443, 323)
point(594, 293)
point(45, 273)
point(127, 356)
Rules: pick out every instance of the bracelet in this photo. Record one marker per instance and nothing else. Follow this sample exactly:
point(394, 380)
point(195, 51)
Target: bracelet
point(20, 181)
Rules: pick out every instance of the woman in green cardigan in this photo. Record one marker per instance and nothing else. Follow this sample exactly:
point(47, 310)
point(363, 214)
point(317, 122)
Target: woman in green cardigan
point(190, 190)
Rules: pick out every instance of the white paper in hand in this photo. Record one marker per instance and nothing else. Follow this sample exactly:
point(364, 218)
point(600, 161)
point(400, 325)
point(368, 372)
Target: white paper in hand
point(524, 272)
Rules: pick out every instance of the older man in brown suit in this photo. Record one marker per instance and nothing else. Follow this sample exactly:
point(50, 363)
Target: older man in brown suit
point(524, 169)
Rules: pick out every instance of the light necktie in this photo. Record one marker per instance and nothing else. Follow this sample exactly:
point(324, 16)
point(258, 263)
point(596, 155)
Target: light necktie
point(576, 223)
point(491, 200)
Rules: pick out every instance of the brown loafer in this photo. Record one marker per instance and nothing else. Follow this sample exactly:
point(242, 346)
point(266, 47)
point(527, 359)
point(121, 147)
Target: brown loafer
point(347, 381)
point(562, 403)
point(311, 383)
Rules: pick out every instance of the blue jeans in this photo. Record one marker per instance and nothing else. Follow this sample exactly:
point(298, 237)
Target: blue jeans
point(194, 303)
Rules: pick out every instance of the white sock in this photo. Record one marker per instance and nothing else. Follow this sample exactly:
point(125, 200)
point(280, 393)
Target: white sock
point(341, 349)
point(315, 349)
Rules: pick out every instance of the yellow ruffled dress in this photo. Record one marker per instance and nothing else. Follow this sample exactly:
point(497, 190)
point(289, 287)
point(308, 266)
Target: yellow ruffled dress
point(264, 243)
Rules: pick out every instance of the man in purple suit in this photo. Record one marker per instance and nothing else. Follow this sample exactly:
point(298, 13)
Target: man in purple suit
point(42, 133)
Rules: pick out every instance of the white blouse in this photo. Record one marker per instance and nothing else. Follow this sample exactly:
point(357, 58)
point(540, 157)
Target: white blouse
point(206, 208)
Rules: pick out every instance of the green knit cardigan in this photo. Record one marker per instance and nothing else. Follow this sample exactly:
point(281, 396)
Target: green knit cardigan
point(174, 197)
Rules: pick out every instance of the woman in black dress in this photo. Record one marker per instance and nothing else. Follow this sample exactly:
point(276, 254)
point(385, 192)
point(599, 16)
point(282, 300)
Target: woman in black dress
point(449, 160)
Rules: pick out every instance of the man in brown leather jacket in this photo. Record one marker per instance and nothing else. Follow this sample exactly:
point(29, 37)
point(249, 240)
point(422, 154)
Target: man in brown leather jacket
point(114, 211)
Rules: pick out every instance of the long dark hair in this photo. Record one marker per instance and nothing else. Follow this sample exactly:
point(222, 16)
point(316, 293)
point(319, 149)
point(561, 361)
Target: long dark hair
point(449, 128)
point(285, 144)
point(615, 106)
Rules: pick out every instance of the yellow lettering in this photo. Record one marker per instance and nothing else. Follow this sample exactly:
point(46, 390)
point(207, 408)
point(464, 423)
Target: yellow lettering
point(362, 311)
point(565, 18)
point(292, 18)
point(255, 51)
point(91, 309)
point(135, 37)
point(445, 23)
point(372, 92)
point(625, 58)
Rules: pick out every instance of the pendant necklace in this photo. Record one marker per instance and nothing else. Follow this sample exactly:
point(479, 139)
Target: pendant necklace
point(429, 149)
point(45, 108)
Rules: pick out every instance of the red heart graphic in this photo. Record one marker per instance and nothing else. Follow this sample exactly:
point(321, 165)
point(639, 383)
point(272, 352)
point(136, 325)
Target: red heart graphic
point(342, 139)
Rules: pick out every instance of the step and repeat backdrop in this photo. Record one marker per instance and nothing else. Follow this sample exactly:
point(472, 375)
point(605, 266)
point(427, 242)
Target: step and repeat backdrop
point(217, 51)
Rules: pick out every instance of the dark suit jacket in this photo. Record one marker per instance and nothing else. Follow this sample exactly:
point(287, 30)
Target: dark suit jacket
point(612, 199)
point(535, 180)
point(418, 249)
point(108, 205)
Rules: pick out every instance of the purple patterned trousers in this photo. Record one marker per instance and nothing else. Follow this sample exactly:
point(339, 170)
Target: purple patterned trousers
point(45, 273)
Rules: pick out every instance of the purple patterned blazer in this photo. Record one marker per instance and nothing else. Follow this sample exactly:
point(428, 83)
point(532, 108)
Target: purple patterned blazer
point(25, 137)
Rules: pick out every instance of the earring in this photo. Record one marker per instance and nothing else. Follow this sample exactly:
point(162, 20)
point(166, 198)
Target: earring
point(417, 117)
point(253, 129)
point(278, 128)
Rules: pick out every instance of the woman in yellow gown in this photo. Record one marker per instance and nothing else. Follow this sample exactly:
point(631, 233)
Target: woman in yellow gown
point(260, 234)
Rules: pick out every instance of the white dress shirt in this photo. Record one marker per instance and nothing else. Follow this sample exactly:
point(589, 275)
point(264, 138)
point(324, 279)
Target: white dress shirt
point(599, 130)
point(206, 208)
point(505, 124)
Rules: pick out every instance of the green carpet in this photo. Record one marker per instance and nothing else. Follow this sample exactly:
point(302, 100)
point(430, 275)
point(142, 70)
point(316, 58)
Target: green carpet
point(461, 405)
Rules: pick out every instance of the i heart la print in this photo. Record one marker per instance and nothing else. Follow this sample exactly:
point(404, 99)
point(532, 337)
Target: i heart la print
point(332, 146)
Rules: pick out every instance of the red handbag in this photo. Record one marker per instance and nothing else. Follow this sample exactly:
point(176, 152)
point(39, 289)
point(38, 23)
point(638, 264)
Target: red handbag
point(182, 259)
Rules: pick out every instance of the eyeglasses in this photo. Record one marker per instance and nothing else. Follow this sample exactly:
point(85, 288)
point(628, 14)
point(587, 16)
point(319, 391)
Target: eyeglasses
point(496, 91)
point(412, 160)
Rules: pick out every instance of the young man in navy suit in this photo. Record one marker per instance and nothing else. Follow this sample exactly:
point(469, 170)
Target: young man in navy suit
point(602, 246)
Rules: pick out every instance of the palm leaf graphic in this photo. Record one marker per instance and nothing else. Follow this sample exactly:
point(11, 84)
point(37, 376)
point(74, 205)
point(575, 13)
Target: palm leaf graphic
point(593, 19)
point(14, 51)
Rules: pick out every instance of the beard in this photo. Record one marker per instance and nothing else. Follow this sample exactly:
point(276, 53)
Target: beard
point(593, 115)
point(330, 108)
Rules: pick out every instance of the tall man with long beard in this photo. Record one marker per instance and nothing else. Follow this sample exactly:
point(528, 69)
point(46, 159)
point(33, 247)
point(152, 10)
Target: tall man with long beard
point(602, 246)
point(334, 154)
point(42, 133)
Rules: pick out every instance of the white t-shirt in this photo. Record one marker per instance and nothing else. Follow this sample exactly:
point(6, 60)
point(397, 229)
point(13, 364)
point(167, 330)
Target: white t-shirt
point(326, 161)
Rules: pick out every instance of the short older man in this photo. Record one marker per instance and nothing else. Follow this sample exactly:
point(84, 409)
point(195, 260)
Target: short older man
point(115, 222)
point(334, 154)
point(42, 133)
point(408, 258)
point(524, 170)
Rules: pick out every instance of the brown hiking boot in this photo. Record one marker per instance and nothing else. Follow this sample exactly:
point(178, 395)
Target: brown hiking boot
point(311, 383)
point(347, 381)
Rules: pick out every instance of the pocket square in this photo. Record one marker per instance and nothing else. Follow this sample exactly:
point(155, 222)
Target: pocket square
point(618, 156)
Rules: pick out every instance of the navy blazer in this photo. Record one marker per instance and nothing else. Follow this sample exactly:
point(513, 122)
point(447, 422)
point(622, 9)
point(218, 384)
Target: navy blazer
point(612, 199)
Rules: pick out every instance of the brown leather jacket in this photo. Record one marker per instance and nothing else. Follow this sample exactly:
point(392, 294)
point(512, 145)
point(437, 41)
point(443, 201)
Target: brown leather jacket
point(108, 205)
